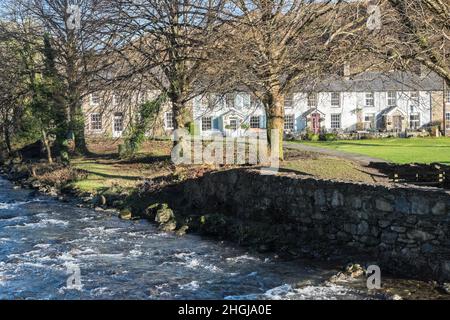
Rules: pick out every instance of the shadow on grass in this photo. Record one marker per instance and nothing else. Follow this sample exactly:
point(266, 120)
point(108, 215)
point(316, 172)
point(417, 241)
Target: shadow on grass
point(112, 176)
point(288, 170)
point(416, 173)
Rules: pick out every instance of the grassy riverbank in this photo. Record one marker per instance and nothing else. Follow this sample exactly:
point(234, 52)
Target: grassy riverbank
point(103, 181)
point(105, 170)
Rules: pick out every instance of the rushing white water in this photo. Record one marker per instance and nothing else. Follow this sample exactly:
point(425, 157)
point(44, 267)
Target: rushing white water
point(43, 241)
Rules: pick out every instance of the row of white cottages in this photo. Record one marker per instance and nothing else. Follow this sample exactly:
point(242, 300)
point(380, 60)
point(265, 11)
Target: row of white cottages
point(395, 101)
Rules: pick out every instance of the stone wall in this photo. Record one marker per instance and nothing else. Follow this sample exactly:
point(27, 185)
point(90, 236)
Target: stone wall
point(403, 229)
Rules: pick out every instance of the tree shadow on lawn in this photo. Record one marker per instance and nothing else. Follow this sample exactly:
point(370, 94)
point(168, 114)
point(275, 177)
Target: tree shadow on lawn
point(113, 176)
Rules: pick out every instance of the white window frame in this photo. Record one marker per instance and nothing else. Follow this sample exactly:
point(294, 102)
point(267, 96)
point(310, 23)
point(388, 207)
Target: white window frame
point(289, 122)
point(95, 98)
point(392, 98)
point(336, 124)
point(289, 101)
point(369, 96)
point(255, 122)
point(312, 99)
point(242, 101)
point(207, 123)
point(335, 99)
point(116, 116)
point(416, 121)
point(97, 124)
point(236, 121)
point(168, 120)
point(447, 100)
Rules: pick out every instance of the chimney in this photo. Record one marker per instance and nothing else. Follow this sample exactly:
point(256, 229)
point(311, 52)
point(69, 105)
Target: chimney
point(347, 71)
point(423, 71)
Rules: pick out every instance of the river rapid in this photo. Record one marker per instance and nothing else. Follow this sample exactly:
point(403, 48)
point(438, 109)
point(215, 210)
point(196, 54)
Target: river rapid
point(44, 243)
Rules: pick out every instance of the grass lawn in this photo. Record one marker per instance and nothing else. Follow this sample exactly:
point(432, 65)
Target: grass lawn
point(412, 150)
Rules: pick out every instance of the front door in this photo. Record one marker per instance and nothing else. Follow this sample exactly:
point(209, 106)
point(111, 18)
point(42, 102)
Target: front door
point(315, 123)
point(397, 122)
point(118, 125)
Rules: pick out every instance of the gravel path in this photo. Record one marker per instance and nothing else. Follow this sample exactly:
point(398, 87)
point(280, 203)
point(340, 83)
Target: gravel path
point(359, 158)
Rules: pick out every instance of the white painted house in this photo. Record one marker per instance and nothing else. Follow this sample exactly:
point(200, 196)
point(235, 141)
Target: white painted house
point(395, 101)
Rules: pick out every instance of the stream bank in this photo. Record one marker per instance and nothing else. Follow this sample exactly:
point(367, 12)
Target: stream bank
point(207, 206)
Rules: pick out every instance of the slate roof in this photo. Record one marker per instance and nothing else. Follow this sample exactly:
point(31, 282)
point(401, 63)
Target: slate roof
point(391, 110)
point(376, 81)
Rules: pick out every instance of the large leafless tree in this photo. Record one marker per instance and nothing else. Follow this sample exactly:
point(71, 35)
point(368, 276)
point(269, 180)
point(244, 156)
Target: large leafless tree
point(276, 44)
point(168, 43)
point(78, 31)
point(415, 32)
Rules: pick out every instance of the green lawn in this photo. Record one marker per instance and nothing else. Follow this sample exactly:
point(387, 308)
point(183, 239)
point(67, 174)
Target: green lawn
point(413, 150)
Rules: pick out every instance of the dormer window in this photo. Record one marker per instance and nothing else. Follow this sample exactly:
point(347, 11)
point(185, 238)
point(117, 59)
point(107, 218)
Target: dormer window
point(312, 99)
point(242, 101)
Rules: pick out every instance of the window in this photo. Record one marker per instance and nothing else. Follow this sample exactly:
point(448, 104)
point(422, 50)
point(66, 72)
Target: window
point(120, 99)
point(312, 99)
point(96, 121)
point(242, 101)
point(370, 99)
point(447, 120)
point(289, 101)
point(118, 122)
point(234, 123)
point(336, 121)
point(95, 98)
point(447, 96)
point(289, 122)
point(392, 98)
point(169, 120)
point(369, 121)
point(206, 123)
point(255, 122)
point(414, 121)
point(335, 99)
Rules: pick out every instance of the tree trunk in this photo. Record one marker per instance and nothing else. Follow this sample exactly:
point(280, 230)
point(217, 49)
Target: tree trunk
point(76, 126)
point(47, 146)
point(275, 119)
point(7, 138)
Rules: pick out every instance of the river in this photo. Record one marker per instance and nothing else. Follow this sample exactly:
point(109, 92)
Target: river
point(43, 242)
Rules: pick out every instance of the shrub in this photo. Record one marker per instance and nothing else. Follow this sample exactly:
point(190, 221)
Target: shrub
point(193, 129)
point(328, 137)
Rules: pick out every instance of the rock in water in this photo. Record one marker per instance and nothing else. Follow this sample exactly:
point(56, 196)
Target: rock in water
point(126, 214)
point(182, 231)
point(164, 214)
point(354, 271)
point(169, 226)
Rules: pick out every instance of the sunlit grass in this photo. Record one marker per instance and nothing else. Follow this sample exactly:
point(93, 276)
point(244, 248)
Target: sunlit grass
point(412, 150)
